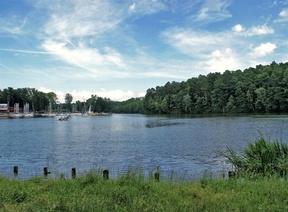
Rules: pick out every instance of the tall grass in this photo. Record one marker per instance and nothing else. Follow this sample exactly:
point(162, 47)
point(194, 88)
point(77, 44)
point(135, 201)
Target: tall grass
point(134, 193)
point(261, 158)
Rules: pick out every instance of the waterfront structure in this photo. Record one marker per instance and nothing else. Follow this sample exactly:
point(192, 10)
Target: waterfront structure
point(4, 108)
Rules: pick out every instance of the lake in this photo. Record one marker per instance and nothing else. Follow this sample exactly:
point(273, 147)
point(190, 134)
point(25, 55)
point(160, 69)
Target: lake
point(182, 145)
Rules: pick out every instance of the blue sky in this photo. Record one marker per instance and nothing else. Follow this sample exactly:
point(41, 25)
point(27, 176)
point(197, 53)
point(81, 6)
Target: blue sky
point(120, 48)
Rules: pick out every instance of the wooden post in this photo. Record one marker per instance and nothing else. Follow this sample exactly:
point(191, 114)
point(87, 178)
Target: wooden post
point(45, 171)
point(106, 174)
point(231, 174)
point(15, 171)
point(73, 173)
point(157, 176)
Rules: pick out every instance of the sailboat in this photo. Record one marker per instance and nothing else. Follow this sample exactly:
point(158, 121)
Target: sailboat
point(26, 111)
point(50, 114)
point(16, 113)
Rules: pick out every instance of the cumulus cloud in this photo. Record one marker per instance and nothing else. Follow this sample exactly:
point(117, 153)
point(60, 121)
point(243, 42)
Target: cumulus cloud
point(238, 28)
point(223, 60)
point(264, 49)
point(209, 51)
point(219, 51)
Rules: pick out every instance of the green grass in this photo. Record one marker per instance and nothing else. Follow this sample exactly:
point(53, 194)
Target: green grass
point(134, 193)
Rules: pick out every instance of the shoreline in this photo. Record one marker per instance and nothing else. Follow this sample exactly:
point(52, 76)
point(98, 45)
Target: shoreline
point(214, 115)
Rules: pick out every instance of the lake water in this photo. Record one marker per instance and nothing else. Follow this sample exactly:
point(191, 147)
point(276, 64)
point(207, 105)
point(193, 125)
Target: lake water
point(186, 146)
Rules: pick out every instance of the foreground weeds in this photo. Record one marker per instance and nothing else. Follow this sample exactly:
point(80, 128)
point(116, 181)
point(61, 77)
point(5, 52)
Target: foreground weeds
point(134, 193)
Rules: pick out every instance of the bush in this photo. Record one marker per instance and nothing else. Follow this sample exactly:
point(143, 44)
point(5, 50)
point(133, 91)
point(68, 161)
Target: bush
point(261, 158)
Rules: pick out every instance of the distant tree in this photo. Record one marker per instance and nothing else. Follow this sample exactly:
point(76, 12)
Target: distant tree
point(68, 98)
point(68, 101)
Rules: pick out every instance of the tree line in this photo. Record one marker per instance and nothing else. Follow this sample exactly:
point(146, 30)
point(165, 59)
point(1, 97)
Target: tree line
point(38, 101)
point(263, 89)
point(41, 102)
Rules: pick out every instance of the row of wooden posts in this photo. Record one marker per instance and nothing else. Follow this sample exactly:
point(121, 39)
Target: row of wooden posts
point(105, 173)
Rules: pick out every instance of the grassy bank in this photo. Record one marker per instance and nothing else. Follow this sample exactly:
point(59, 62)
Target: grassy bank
point(132, 193)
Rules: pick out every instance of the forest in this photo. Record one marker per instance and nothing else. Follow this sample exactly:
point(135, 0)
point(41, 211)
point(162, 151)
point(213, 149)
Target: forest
point(38, 101)
point(263, 89)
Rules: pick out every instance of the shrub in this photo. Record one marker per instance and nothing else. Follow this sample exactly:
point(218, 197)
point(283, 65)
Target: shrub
point(261, 158)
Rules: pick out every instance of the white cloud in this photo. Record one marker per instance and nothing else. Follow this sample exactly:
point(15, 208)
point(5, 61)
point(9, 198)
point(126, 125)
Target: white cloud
point(132, 7)
point(223, 60)
point(284, 13)
point(214, 10)
point(282, 16)
point(83, 95)
point(78, 18)
point(209, 51)
point(147, 6)
point(75, 19)
point(252, 31)
point(260, 30)
point(196, 43)
point(238, 28)
point(83, 56)
point(264, 49)
point(219, 51)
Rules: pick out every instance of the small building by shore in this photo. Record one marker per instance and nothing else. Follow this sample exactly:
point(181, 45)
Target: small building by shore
point(4, 108)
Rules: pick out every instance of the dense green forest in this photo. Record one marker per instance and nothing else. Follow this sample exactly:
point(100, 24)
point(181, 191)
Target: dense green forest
point(133, 105)
point(38, 100)
point(263, 89)
point(95, 104)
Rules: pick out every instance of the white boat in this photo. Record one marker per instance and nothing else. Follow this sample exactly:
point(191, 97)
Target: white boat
point(64, 117)
point(28, 115)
